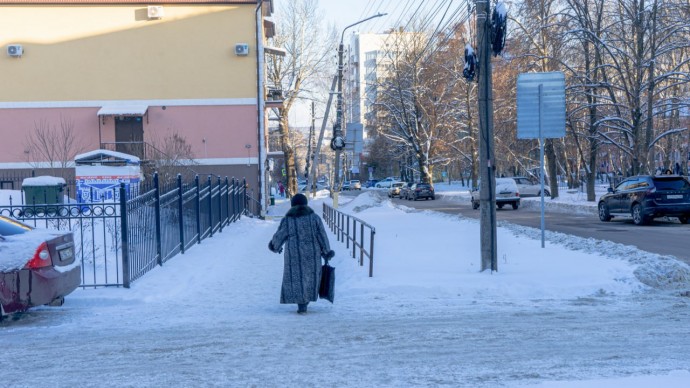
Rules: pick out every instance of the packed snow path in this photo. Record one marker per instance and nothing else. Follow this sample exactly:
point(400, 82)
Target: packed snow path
point(211, 317)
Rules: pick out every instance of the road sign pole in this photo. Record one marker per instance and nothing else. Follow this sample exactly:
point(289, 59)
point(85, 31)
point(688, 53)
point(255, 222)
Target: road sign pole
point(541, 159)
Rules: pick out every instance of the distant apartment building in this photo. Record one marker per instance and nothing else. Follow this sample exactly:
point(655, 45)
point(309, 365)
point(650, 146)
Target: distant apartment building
point(135, 76)
point(368, 63)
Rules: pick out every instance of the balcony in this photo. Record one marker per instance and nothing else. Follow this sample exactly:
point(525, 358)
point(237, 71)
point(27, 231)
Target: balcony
point(274, 98)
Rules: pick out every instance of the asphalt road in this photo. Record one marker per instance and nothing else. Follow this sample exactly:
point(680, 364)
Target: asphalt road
point(665, 237)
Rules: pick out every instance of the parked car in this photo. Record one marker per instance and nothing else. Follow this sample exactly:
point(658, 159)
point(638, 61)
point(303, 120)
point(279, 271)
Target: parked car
point(345, 186)
point(530, 187)
point(319, 186)
point(355, 185)
point(421, 190)
point(386, 183)
point(506, 192)
point(405, 190)
point(394, 191)
point(645, 197)
point(37, 267)
point(370, 183)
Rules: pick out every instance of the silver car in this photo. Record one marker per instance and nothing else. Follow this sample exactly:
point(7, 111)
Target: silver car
point(507, 193)
point(529, 187)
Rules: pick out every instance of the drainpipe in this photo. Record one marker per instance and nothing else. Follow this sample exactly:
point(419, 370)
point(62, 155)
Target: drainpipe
point(261, 114)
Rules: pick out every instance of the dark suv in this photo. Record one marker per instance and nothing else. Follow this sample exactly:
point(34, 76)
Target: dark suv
point(645, 197)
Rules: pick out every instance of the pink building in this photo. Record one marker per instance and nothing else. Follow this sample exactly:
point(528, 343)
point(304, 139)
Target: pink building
point(173, 82)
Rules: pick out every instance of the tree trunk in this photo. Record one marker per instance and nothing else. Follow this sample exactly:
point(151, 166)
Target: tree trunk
point(288, 153)
point(552, 171)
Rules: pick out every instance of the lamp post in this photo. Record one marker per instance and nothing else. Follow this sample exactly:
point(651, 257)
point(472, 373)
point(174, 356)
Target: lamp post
point(338, 142)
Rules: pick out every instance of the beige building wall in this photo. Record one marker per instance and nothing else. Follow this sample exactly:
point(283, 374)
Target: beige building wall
point(115, 52)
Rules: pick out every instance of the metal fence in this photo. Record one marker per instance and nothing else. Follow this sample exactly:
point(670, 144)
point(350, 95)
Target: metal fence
point(119, 241)
point(344, 226)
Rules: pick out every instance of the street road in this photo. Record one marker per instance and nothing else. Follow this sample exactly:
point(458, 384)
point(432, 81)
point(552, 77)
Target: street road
point(665, 237)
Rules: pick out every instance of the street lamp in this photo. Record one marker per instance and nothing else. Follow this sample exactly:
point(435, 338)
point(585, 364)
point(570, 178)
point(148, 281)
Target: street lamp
point(338, 142)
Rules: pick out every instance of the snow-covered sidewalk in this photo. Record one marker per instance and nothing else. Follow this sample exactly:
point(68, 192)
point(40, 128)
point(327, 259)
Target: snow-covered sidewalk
point(427, 318)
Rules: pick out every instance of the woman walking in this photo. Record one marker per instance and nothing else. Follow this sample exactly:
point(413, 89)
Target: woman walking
point(306, 242)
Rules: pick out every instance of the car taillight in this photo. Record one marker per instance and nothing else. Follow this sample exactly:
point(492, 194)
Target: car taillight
point(517, 193)
point(41, 258)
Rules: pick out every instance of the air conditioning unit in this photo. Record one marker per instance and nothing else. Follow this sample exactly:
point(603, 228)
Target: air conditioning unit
point(15, 50)
point(241, 49)
point(155, 11)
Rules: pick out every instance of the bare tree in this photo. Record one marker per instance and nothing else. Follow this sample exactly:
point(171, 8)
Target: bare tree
point(308, 56)
point(537, 25)
point(417, 101)
point(172, 155)
point(54, 145)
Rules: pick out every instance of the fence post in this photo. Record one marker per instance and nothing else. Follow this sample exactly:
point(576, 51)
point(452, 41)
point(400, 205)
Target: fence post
point(244, 191)
point(198, 211)
point(157, 211)
point(220, 205)
point(227, 183)
point(210, 206)
point(354, 237)
point(371, 254)
point(220, 201)
point(232, 199)
point(347, 233)
point(180, 209)
point(361, 244)
point(125, 237)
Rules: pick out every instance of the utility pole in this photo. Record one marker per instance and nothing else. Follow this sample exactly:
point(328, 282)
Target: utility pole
point(487, 195)
point(338, 142)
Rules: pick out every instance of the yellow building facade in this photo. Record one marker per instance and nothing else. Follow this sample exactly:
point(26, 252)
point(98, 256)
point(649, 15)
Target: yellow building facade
point(117, 73)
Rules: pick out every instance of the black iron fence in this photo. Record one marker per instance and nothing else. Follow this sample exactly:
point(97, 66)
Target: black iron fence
point(119, 241)
point(345, 227)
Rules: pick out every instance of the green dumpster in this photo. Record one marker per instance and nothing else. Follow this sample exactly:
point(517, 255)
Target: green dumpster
point(43, 190)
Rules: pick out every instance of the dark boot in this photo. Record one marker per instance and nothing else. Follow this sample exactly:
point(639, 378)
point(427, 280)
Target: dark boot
point(302, 308)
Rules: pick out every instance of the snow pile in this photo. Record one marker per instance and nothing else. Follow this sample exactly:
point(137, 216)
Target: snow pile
point(575, 311)
point(665, 274)
point(44, 180)
point(412, 255)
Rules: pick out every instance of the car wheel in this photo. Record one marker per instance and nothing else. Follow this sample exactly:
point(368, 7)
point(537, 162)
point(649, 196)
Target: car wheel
point(546, 193)
point(637, 216)
point(500, 206)
point(515, 205)
point(604, 214)
point(433, 198)
point(684, 219)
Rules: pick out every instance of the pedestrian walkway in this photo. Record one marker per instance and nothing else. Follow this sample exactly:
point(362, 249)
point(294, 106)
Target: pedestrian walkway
point(212, 317)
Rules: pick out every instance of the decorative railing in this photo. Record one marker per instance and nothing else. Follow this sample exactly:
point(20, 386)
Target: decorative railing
point(344, 226)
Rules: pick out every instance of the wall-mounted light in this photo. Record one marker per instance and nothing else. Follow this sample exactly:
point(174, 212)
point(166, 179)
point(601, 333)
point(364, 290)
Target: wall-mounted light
point(248, 147)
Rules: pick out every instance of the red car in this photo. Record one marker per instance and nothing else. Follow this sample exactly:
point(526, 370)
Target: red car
point(37, 267)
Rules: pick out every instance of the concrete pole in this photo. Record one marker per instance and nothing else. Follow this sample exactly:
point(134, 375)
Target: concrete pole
point(487, 195)
point(338, 128)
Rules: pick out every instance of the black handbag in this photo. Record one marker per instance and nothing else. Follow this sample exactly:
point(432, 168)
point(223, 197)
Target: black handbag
point(327, 287)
